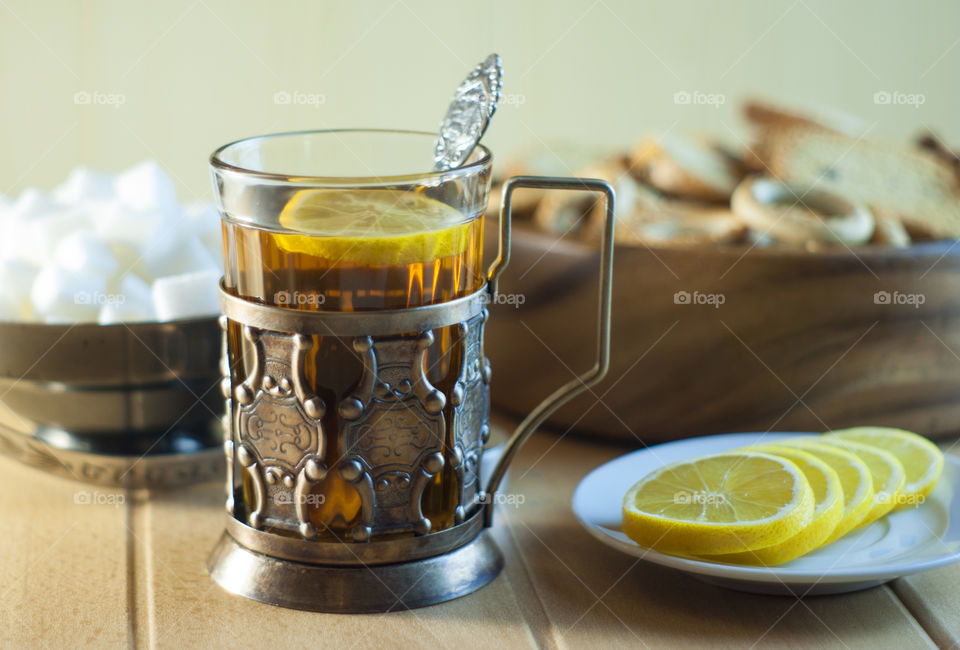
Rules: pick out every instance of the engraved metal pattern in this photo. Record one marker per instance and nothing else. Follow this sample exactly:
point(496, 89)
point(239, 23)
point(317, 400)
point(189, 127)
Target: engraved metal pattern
point(393, 430)
point(392, 435)
point(469, 114)
point(471, 411)
point(280, 438)
point(151, 472)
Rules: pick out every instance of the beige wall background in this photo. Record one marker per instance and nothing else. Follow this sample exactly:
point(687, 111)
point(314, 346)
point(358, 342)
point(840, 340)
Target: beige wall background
point(172, 80)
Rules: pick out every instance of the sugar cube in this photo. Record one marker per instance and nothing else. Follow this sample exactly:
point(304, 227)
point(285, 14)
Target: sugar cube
point(33, 203)
point(84, 184)
point(188, 295)
point(81, 250)
point(146, 187)
point(59, 295)
point(133, 303)
point(116, 222)
point(16, 279)
point(174, 252)
point(35, 240)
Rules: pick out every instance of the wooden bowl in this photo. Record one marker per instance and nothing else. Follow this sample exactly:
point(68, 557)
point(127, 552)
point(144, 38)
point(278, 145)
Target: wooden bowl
point(762, 339)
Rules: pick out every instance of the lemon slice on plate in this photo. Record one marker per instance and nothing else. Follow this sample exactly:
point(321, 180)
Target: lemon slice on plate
point(723, 503)
point(373, 227)
point(921, 459)
point(827, 511)
point(886, 473)
point(855, 480)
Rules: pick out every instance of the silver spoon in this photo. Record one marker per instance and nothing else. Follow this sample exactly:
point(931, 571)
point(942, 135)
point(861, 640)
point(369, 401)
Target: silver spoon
point(469, 114)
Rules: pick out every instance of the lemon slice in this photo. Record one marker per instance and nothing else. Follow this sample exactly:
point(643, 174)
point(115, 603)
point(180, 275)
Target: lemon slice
point(888, 475)
point(855, 479)
point(724, 503)
point(827, 511)
point(372, 227)
point(886, 471)
point(921, 459)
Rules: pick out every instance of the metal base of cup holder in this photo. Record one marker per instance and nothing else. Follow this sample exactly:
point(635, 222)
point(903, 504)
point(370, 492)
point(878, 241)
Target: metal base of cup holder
point(359, 588)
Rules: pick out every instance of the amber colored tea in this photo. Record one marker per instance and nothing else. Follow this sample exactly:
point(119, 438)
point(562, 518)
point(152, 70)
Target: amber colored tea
point(358, 250)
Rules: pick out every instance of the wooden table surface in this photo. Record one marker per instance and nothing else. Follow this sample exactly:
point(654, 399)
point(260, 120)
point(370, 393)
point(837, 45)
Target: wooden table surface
point(124, 570)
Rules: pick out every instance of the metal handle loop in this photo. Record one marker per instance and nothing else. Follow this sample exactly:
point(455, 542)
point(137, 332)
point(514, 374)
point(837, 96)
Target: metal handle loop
point(587, 379)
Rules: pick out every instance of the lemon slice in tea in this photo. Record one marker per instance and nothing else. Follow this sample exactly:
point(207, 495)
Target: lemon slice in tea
point(375, 227)
point(724, 503)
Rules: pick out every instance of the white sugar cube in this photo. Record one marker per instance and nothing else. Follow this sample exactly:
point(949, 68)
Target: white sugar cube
point(174, 252)
point(36, 240)
point(59, 295)
point(133, 303)
point(33, 203)
point(146, 187)
point(188, 295)
point(16, 276)
point(127, 256)
point(136, 290)
point(120, 312)
point(81, 250)
point(115, 222)
point(16, 280)
point(85, 184)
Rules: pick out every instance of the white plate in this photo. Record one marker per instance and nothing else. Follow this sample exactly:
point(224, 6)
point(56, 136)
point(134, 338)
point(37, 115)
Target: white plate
point(904, 542)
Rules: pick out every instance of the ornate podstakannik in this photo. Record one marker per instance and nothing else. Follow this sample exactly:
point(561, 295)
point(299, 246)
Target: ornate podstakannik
point(394, 422)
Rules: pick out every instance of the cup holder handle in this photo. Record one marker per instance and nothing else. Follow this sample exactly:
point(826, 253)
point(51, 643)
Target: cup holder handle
point(585, 380)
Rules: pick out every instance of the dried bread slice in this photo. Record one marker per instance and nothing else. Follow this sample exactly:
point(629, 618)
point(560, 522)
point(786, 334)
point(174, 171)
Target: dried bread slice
point(555, 159)
point(656, 220)
point(766, 114)
point(914, 185)
point(691, 168)
point(682, 226)
point(565, 212)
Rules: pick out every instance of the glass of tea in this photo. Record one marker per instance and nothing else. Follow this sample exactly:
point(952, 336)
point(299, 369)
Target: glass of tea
point(336, 434)
point(354, 300)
